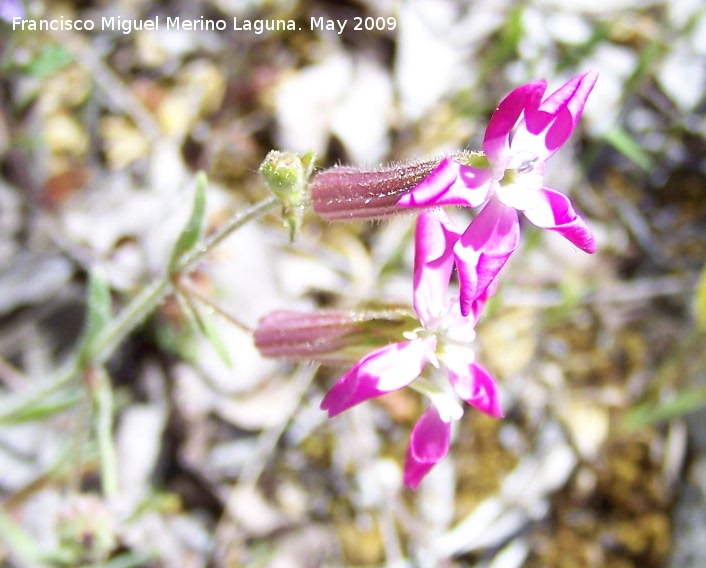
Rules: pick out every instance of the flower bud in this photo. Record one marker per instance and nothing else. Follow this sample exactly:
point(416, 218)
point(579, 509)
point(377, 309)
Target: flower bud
point(347, 193)
point(286, 175)
point(329, 336)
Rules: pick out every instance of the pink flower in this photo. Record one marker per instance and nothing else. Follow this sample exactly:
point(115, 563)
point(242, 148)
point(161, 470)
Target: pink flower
point(443, 338)
point(509, 178)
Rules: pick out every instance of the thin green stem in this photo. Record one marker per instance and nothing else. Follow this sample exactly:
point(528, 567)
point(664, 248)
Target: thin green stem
point(103, 402)
point(132, 316)
point(223, 232)
point(153, 295)
point(140, 307)
point(81, 430)
point(189, 290)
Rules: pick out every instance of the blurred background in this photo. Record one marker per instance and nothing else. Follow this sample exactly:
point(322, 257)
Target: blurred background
point(223, 458)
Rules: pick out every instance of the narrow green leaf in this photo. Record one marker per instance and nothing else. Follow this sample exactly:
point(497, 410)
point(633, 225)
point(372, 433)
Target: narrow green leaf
point(98, 312)
point(626, 145)
point(683, 403)
point(103, 402)
point(41, 409)
point(205, 323)
point(191, 233)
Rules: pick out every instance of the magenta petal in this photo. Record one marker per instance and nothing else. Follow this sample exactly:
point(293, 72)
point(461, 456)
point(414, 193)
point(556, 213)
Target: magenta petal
point(449, 184)
point(384, 370)
point(545, 130)
point(524, 98)
point(484, 249)
point(479, 303)
point(477, 387)
point(428, 445)
point(553, 211)
point(435, 238)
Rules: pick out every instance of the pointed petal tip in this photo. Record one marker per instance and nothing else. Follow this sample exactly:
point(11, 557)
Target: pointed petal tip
point(412, 481)
point(489, 402)
point(477, 387)
point(590, 247)
point(554, 211)
point(327, 405)
point(579, 234)
point(587, 82)
point(495, 411)
point(428, 445)
point(466, 304)
point(591, 75)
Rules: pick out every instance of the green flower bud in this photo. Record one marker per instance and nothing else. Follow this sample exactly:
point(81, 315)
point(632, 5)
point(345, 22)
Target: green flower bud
point(286, 175)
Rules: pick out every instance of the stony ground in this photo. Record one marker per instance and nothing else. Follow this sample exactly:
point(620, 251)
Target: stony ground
point(218, 457)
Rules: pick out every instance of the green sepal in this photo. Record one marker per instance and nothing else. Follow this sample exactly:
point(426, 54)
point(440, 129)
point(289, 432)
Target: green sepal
point(473, 159)
point(629, 147)
point(191, 233)
point(309, 163)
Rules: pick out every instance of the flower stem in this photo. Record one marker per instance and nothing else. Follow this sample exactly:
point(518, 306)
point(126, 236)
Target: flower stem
point(139, 308)
point(188, 289)
point(233, 224)
point(152, 296)
point(103, 403)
